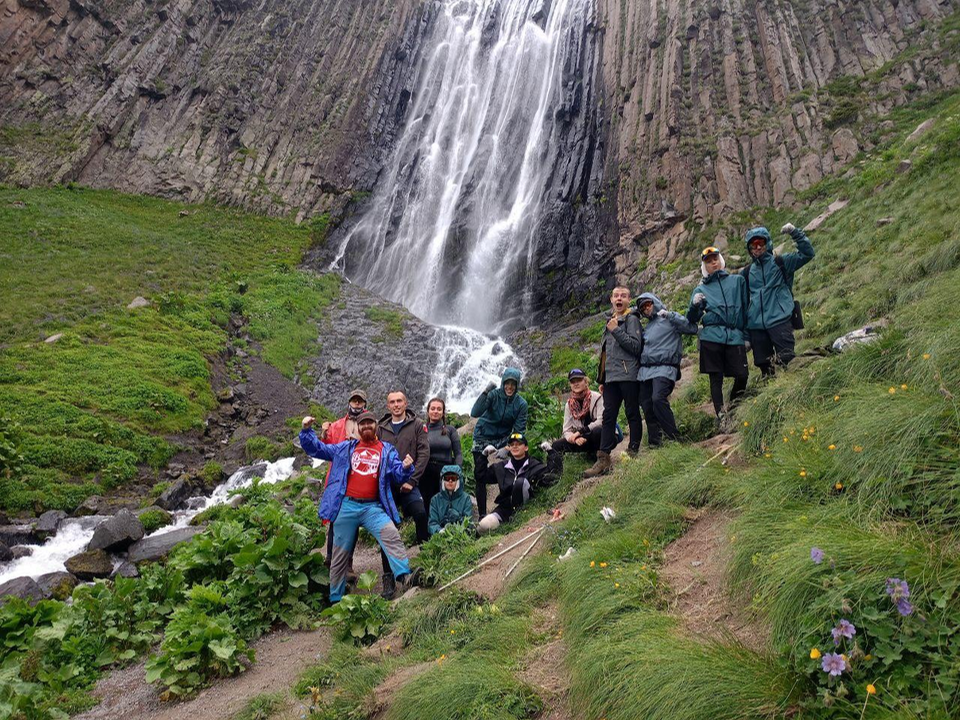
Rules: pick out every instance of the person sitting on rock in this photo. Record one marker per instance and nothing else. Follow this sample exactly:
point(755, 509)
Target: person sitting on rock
point(359, 493)
point(582, 423)
point(451, 505)
point(772, 313)
point(500, 412)
point(720, 304)
point(660, 366)
point(518, 478)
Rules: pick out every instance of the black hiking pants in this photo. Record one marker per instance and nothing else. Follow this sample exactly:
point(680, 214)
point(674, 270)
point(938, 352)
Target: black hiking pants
point(615, 394)
point(773, 346)
point(655, 401)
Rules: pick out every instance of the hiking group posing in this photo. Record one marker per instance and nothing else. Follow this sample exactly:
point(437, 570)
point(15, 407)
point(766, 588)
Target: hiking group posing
point(399, 465)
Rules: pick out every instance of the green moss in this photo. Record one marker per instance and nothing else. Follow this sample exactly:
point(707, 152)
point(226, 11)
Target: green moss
point(391, 320)
point(154, 520)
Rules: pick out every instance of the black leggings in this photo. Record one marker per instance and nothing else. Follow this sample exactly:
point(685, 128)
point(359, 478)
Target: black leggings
point(615, 394)
point(716, 390)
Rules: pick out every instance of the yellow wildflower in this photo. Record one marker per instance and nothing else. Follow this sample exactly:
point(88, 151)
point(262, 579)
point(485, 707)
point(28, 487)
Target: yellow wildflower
point(603, 564)
point(592, 563)
point(903, 387)
point(836, 398)
point(871, 690)
point(814, 654)
point(831, 446)
point(746, 424)
point(926, 356)
point(858, 448)
point(803, 473)
point(767, 455)
point(892, 391)
point(838, 486)
point(616, 585)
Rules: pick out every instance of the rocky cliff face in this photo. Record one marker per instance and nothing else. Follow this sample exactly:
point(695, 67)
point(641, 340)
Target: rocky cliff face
point(279, 106)
point(718, 106)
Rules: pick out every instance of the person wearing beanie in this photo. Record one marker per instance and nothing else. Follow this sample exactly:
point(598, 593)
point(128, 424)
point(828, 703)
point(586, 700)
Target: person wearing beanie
point(772, 312)
point(719, 304)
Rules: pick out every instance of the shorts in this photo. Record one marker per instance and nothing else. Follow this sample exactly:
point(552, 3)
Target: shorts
point(731, 360)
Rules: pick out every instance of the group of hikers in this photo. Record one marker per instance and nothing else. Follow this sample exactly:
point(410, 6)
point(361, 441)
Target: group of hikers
point(398, 465)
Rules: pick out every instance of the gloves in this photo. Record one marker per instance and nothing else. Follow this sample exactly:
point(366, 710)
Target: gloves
point(747, 346)
point(546, 446)
point(787, 229)
point(663, 312)
point(489, 450)
point(490, 386)
point(700, 299)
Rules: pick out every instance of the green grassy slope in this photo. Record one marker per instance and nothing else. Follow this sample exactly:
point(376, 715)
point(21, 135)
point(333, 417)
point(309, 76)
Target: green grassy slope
point(85, 411)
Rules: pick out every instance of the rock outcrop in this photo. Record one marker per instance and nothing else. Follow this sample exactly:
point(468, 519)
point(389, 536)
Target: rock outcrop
point(717, 107)
point(117, 533)
point(278, 106)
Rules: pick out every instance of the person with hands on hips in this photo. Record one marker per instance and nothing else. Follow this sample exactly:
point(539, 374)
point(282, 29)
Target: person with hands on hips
point(359, 494)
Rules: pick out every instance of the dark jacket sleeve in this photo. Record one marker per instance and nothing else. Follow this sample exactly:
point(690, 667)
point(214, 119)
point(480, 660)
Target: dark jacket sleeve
point(744, 302)
point(423, 455)
point(436, 515)
point(804, 254)
point(683, 326)
point(455, 442)
point(520, 424)
point(480, 405)
point(540, 478)
point(630, 335)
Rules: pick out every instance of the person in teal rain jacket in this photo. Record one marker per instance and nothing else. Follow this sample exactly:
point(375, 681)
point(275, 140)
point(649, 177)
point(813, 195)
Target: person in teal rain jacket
point(452, 504)
point(499, 412)
point(719, 303)
point(770, 285)
point(660, 365)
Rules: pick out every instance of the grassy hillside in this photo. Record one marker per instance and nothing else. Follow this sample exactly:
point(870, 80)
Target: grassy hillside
point(849, 487)
point(83, 412)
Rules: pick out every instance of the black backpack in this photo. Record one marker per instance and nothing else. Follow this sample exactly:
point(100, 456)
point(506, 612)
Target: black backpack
point(796, 317)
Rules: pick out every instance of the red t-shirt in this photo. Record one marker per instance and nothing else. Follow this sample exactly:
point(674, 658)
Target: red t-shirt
point(364, 476)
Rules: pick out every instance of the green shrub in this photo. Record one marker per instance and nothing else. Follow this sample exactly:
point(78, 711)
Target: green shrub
point(212, 473)
point(154, 520)
point(360, 617)
point(447, 554)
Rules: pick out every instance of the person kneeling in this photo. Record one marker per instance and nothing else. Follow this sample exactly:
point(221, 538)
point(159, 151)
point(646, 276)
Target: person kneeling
point(452, 505)
point(518, 478)
point(359, 494)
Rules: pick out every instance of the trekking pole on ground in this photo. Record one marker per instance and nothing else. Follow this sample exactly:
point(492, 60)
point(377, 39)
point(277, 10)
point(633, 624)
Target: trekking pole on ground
point(488, 560)
point(525, 552)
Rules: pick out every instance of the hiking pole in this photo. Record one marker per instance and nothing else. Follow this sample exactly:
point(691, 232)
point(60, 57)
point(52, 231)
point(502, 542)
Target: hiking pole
point(525, 553)
point(488, 560)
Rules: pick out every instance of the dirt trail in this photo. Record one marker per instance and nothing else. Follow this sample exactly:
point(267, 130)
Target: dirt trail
point(695, 571)
point(544, 667)
point(281, 657)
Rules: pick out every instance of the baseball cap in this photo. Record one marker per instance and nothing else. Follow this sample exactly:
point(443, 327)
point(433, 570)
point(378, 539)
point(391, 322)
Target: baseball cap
point(358, 393)
point(518, 437)
point(366, 415)
point(576, 373)
point(709, 251)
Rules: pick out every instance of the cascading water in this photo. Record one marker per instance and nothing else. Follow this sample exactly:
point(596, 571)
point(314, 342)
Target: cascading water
point(74, 533)
point(450, 230)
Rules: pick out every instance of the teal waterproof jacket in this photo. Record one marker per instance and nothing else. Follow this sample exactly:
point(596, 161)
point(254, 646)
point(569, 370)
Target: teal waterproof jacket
point(447, 507)
point(662, 341)
point(724, 317)
point(771, 288)
point(499, 415)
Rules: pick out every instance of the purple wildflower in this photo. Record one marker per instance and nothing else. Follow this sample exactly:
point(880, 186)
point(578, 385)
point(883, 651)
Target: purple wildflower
point(816, 554)
point(845, 629)
point(897, 589)
point(833, 663)
point(904, 607)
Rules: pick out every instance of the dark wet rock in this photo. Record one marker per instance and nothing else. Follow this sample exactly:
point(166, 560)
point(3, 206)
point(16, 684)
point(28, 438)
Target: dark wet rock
point(24, 588)
point(93, 505)
point(126, 569)
point(57, 585)
point(5, 554)
point(21, 551)
point(90, 565)
point(49, 523)
point(118, 533)
point(18, 534)
point(157, 547)
point(175, 495)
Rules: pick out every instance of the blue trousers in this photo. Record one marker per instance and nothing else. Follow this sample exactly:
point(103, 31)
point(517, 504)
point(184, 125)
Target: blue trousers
point(371, 516)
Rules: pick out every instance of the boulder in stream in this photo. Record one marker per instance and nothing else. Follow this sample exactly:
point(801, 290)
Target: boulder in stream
point(57, 585)
point(5, 554)
point(49, 523)
point(158, 546)
point(24, 588)
point(175, 495)
point(21, 551)
point(90, 565)
point(18, 534)
point(93, 505)
point(117, 533)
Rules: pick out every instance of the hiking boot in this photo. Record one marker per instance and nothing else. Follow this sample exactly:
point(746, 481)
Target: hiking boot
point(633, 451)
point(602, 466)
point(719, 422)
point(410, 580)
point(389, 587)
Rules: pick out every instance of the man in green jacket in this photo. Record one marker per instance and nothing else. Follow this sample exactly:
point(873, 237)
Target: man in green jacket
point(499, 412)
point(771, 305)
point(452, 504)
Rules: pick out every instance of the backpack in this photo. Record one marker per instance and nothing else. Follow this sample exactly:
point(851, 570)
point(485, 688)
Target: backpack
point(796, 317)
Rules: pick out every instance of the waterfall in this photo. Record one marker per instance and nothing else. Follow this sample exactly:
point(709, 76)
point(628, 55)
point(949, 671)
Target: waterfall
point(451, 228)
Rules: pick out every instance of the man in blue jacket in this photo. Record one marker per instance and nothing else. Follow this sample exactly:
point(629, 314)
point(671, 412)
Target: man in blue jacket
point(500, 412)
point(771, 305)
point(359, 493)
point(660, 365)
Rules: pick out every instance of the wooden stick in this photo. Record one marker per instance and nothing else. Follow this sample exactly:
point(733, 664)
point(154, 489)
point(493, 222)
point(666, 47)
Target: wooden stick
point(488, 560)
point(525, 553)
